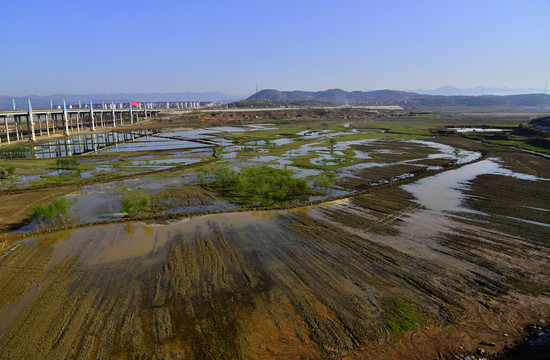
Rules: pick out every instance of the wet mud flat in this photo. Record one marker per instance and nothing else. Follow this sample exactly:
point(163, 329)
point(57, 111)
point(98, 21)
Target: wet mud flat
point(310, 156)
point(390, 273)
point(435, 268)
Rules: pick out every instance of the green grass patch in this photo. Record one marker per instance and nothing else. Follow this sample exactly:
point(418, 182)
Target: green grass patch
point(64, 177)
point(263, 186)
point(17, 152)
point(30, 163)
point(136, 203)
point(52, 213)
point(325, 179)
point(400, 126)
point(528, 287)
point(333, 162)
point(287, 129)
point(517, 141)
point(503, 126)
point(380, 135)
point(401, 317)
point(263, 134)
point(67, 163)
point(519, 163)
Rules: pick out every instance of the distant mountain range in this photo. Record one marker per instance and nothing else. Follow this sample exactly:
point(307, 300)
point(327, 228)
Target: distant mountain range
point(337, 96)
point(44, 101)
point(477, 91)
point(394, 97)
point(444, 96)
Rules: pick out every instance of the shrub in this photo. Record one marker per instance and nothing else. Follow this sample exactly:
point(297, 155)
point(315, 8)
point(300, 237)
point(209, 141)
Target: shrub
point(136, 203)
point(11, 170)
point(54, 212)
point(67, 163)
point(258, 185)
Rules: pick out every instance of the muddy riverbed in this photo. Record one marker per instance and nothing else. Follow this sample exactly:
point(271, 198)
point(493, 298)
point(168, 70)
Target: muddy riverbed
point(418, 251)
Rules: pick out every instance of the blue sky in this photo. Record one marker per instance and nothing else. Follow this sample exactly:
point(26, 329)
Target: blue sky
point(114, 46)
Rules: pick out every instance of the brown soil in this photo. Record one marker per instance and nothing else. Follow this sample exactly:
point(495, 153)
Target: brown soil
point(375, 276)
point(21, 270)
point(236, 116)
point(178, 197)
point(16, 205)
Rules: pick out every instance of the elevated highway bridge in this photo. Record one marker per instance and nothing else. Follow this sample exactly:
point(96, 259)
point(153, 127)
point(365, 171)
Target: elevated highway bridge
point(47, 122)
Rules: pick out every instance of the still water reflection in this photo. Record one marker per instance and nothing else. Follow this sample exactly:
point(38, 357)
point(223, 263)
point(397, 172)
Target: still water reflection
point(75, 145)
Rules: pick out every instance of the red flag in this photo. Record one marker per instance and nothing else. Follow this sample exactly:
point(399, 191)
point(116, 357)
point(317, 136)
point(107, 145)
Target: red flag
point(134, 103)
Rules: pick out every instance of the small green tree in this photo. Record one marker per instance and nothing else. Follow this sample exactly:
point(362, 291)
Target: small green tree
point(53, 213)
point(456, 151)
point(11, 170)
point(332, 143)
point(136, 204)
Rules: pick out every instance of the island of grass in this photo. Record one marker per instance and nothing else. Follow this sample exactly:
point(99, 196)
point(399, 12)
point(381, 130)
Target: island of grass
point(53, 213)
point(256, 186)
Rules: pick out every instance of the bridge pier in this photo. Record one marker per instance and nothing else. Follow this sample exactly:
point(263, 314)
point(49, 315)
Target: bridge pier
point(65, 120)
point(65, 124)
point(92, 125)
point(30, 123)
point(54, 121)
point(39, 124)
point(16, 122)
point(19, 128)
point(47, 125)
point(113, 115)
point(7, 129)
point(30, 127)
point(20, 125)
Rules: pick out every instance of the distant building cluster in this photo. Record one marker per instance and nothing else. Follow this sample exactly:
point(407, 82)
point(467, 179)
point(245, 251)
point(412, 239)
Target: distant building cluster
point(149, 105)
point(182, 104)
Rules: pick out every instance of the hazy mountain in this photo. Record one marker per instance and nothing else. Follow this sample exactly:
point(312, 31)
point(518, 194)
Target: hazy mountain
point(331, 96)
point(336, 96)
point(57, 99)
point(403, 98)
point(477, 91)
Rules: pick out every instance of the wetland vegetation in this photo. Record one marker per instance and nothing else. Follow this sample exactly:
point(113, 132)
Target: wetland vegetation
point(263, 185)
point(51, 214)
point(293, 233)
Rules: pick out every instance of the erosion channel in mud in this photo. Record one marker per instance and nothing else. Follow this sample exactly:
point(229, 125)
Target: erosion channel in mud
point(394, 247)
